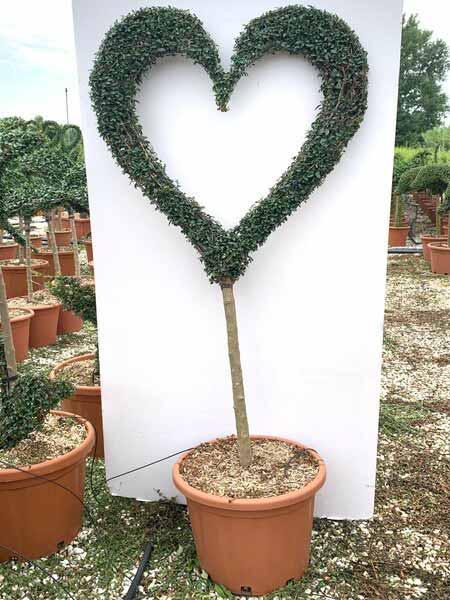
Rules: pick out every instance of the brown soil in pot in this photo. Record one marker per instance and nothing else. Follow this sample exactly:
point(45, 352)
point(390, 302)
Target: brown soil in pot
point(15, 312)
point(58, 436)
point(277, 468)
point(39, 298)
point(80, 373)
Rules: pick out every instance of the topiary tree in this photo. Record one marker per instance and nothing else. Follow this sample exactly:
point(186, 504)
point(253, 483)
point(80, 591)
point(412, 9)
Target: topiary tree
point(436, 179)
point(132, 47)
point(78, 295)
point(24, 407)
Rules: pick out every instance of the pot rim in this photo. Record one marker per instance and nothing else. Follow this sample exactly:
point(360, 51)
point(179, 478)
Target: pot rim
point(398, 227)
point(60, 252)
point(439, 246)
point(36, 307)
point(8, 244)
point(29, 314)
point(437, 238)
point(55, 464)
point(252, 504)
point(34, 261)
point(83, 389)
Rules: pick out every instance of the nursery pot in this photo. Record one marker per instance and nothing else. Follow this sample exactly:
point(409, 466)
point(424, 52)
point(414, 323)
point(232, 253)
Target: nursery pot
point(63, 238)
point(37, 517)
point(82, 226)
point(86, 401)
point(8, 251)
point(20, 329)
point(440, 258)
point(66, 262)
point(44, 325)
point(69, 322)
point(252, 546)
point(15, 277)
point(88, 247)
point(36, 241)
point(427, 239)
point(398, 235)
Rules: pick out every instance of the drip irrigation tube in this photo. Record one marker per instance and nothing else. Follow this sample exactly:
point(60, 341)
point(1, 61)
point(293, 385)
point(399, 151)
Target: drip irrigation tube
point(405, 250)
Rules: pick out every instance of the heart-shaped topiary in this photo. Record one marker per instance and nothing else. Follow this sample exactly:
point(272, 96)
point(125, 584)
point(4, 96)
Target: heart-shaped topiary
point(136, 42)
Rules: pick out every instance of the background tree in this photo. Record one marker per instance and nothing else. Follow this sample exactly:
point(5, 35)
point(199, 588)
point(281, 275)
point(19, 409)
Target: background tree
point(438, 140)
point(424, 64)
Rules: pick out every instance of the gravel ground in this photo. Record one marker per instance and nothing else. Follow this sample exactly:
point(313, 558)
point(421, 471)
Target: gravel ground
point(401, 554)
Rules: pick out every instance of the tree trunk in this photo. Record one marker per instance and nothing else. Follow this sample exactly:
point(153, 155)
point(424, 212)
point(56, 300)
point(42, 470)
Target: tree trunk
point(28, 260)
point(438, 217)
point(52, 242)
point(240, 410)
point(8, 343)
point(76, 256)
point(1, 236)
point(21, 254)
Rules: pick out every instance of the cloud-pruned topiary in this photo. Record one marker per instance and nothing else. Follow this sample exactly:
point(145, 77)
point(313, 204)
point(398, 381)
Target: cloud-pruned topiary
point(76, 295)
point(434, 178)
point(136, 42)
point(24, 407)
point(407, 181)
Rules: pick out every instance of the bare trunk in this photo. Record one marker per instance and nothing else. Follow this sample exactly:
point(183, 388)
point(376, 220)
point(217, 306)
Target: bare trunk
point(76, 256)
point(59, 219)
point(438, 217)
point(1, 236)
point(8, 343)
point(448, 228)
point(21, 249)
point(52, 242)
point(240, 410)
point(28, 261)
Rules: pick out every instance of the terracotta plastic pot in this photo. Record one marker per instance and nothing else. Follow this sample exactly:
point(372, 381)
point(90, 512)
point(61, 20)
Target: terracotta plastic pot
point(254, 546)
point(428, 239)
point(88, 247)
point(8, 251)
point(66, 262)
point(82, 226)
point(37, 517)
point(86, 401)
point(44, 325)
point(69, 322)
point(91, 266)
point(20, 328)
point(15, 277)
point(440, 258)
point(63, 238)
point(36, 241)
point(398, 236)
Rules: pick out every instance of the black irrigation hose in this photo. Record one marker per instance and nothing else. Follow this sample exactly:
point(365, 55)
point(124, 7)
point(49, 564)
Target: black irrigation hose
point(130, 595)
point(35, 564)
point(148, 547)
point(405, 250)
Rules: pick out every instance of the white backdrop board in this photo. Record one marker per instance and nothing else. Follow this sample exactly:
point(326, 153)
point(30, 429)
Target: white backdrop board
point(310, 307)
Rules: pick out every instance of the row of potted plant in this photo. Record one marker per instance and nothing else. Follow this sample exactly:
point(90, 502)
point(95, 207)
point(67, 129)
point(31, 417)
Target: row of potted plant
point(436, 180)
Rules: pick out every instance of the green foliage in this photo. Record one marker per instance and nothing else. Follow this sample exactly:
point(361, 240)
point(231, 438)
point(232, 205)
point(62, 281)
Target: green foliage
point(136, 42)
point(424, 63)
point(438, 139)
point(76, 295)
point(434, 178)
point(67, 137)
point(24, 408)
point(406, 182)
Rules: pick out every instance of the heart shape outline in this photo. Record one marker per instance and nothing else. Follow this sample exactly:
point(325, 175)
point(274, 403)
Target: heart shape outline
point(136, 42)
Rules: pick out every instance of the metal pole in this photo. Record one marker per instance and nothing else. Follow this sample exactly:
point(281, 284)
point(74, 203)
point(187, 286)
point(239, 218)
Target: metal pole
point(67, 105)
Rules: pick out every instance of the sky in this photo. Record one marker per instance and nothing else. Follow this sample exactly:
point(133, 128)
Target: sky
point(37, 54)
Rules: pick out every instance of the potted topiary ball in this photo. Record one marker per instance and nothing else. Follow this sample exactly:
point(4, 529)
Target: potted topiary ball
point(39, 447)
point(250, 498)
point(78, 296)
